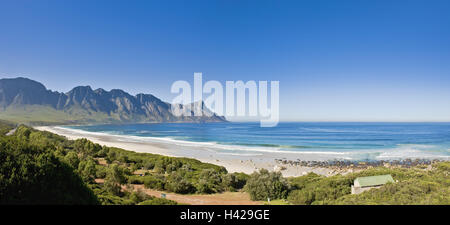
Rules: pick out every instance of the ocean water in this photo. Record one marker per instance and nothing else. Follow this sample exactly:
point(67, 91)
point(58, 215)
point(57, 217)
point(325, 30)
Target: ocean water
point(350, 141)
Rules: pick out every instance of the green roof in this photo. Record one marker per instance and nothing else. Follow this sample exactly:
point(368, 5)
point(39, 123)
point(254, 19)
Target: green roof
point(374, 180)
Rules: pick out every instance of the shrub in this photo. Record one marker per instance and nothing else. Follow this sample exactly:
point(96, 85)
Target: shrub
point(100, 171)
point(264, 184)
point(135, 179)
point(138, 196)
point(114, 178)
point(33, 175)
point(149, 165)
point(87, 170)
point(209, 181)
point(315, 189)
point(301, 197)
point(72, 159)
point(154, 182)
point(234, 181)
point(158, 201)
point(179, 184)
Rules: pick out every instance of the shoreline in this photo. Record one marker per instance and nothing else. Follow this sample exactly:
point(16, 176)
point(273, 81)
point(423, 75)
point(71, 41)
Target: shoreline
point(233, 163)
point(288, 163)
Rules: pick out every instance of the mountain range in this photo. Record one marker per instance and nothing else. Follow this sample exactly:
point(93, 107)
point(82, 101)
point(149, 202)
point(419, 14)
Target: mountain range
point(28, 101)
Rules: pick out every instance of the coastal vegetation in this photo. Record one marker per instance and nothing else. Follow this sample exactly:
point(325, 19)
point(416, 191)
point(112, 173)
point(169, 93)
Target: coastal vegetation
point(33, 175)
point(39, 167)
point(264, 185)
point(5, 127)
point(106, 174)
point(417, 185)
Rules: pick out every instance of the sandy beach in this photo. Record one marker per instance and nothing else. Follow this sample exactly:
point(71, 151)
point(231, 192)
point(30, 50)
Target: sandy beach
point(232, 162)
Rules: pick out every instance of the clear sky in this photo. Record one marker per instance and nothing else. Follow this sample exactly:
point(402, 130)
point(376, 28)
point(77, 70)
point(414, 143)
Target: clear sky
point(335, 60)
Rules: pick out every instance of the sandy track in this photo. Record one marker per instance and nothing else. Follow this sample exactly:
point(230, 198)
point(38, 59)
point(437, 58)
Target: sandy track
point(225, 198)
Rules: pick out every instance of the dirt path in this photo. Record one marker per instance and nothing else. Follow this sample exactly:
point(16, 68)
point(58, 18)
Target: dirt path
point(226, 198)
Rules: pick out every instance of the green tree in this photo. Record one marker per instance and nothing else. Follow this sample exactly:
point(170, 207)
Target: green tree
point(210, 181)
point(264, 184)
point(72, 159)
point(31, 174)
point(234, 181)
point(87, 170)
point(114, 178)
point(177, 183)
point(154, 182)
point(138, 196)
point(158, 201)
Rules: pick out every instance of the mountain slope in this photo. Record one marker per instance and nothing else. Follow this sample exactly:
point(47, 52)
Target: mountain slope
point(25, 100)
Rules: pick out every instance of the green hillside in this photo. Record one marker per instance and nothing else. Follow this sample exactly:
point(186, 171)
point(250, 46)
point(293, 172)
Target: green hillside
point(414, 186)
point(38, 167)
point(36, 115)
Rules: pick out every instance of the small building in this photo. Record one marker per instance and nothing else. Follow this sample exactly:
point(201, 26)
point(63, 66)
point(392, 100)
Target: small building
point(362, 184)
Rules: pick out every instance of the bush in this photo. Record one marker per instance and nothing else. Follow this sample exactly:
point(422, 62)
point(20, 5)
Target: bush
point(72, 159)
point(149, 165)
point(264, 184)
point(33, 175)
point(154, 182)
point(87, 170)
point(114, 178)
point(210, 181)
point(315, 189)
point(85, 147)
point(301, 197)
point(135, 179)
point(177, 183)
point(158, 201)
point(234, 181)
point(138, 196)
point(100, 171)
point(302, 181)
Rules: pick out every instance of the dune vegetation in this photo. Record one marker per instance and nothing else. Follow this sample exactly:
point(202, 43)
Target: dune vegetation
point(107, 173)
point(39, 167)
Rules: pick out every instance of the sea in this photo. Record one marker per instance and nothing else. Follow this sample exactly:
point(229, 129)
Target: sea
point(336, 140)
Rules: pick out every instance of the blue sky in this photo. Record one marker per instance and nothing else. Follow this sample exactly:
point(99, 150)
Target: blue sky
point(335, 60)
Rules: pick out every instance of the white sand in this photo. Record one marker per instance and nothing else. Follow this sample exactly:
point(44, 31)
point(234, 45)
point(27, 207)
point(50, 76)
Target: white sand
point(232, 162)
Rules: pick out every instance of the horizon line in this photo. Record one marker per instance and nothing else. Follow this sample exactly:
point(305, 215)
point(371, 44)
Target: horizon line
point(338, 121)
